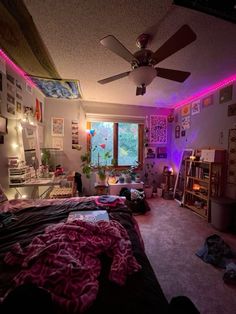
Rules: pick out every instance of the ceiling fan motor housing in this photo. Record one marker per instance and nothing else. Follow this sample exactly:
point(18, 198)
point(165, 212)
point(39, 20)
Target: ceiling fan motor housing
point(142, 40)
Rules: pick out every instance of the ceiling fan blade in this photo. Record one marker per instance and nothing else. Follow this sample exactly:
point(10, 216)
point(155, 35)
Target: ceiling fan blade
point(174, 75)
point(183, 37)
point(116, 46)
point(113, 78)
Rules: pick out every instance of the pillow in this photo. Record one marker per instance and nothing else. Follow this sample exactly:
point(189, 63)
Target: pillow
point(3, 197)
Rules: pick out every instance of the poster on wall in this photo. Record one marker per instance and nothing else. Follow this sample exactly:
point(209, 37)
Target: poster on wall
point(196, 107)
point(11, 108)
point(158, 129)
point(57, 126)
point(185, 122)
point(185, 110)
point(75, 133)
point(10, 78)
point(207, 101)
point(226, 94)
point(177, 131)
point(161, 152)
point(150, 152)
point(231, 175)
point(38, 111)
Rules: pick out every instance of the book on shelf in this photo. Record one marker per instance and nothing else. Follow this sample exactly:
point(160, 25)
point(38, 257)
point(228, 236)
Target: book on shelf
point(88, 215)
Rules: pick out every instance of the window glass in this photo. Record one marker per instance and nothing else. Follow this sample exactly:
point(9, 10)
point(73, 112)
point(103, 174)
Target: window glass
point(127, 143)
point(102, 142)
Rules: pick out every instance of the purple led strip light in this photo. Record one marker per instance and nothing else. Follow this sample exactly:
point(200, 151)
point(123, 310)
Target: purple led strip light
point(16, 68)
point(207, 91)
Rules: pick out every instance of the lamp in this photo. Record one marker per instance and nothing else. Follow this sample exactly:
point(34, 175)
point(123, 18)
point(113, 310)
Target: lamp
point(143, 75)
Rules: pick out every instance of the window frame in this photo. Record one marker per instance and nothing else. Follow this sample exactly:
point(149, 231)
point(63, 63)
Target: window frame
point(115, 143)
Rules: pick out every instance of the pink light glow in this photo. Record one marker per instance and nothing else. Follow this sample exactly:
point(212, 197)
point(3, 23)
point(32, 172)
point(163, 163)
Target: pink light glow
point(206, 91)
point(15, 67)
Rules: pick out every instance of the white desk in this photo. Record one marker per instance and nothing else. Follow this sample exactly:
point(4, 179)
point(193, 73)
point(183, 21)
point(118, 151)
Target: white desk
point(48, 183)
point(114, 189)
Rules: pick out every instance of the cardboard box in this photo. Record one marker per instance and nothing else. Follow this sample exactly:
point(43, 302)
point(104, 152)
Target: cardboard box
point(213, 155)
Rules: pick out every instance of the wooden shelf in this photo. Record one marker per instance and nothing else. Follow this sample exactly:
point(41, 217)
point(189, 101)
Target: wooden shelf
point(198, 179)
point(200, 211)
point(199, 195)
point(194, 199)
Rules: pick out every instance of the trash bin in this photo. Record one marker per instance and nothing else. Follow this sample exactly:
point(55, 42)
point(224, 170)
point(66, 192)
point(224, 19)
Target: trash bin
point(222, 213)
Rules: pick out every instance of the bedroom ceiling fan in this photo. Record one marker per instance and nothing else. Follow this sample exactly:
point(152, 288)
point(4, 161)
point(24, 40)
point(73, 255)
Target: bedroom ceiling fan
point(143, 61)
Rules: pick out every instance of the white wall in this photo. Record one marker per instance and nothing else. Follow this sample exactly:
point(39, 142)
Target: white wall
point(209, 129)
point(71, 110)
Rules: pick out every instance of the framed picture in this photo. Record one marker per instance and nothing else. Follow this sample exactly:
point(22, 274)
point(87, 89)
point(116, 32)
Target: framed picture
point(29, 132)
point(207, 101)
point(196, 107)
point(226, 94)
point(150, 152)
point(161, 152)
point(57, 126)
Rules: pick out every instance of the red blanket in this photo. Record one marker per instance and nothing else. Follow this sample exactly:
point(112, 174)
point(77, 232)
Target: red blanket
point(65, 260)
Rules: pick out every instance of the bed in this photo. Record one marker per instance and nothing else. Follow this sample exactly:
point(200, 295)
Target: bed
point(132, 289)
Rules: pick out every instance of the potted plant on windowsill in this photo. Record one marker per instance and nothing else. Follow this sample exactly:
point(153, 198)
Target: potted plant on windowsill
point(100, 168)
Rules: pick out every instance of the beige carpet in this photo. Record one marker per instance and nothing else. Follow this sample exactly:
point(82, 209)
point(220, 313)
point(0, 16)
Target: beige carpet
point(172, 234)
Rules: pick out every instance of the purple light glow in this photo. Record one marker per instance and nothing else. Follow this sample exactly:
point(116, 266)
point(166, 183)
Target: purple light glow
point(15, 67)
point(206, 91)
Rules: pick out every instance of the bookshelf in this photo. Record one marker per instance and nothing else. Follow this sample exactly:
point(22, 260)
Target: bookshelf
point(202, 181)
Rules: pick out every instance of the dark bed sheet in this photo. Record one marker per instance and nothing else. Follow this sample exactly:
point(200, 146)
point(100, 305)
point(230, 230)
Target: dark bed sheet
point(141, 294)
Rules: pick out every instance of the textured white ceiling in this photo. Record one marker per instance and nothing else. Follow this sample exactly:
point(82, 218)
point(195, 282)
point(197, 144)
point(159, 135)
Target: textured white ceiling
point(71, 31)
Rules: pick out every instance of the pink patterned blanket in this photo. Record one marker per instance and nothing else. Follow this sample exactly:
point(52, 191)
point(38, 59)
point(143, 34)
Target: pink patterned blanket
point(65, 261)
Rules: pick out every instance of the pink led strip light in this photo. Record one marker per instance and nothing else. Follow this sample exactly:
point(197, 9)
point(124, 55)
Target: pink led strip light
point(15, 67)
point(206, 91)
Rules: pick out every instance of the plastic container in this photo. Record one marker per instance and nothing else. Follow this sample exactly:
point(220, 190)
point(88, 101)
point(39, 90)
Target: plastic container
point(222, 213)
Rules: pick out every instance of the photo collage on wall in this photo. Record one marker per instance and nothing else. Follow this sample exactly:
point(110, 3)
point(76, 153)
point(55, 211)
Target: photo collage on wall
point(75, 134)
point(57, 132)
point(225, 95)
point(11, 106)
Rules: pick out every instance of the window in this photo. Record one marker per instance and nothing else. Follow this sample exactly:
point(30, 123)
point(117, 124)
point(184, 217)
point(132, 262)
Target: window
point(124, 142)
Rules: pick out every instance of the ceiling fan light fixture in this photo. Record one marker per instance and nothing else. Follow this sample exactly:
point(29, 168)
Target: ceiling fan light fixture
point(143, 75)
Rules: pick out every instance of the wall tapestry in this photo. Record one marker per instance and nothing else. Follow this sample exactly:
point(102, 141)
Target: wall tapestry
point(231, 177)
point(226, 94)
point(67, 89)
point(158, 129)
point(195, 107)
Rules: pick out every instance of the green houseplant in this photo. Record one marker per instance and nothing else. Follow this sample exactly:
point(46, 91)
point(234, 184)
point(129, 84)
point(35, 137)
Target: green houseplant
point(100, 167)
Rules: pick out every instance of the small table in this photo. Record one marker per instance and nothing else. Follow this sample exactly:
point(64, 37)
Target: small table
point(114, 189)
